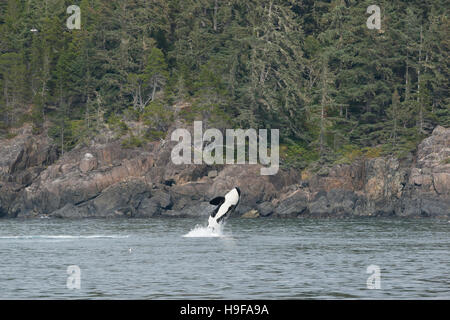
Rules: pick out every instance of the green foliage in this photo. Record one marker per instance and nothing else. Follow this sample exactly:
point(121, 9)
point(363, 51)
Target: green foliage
point(10, 135)
point(156, 68)
point(117, 125)
point(157, 116)
point(155, 135)
point(3, 129)
point(334, 88)
point(68, 134)
point(133, 142)
point(349, 153)
point(297, 156)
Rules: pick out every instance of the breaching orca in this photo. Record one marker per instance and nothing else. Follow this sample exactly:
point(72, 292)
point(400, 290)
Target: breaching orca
point(225, 206)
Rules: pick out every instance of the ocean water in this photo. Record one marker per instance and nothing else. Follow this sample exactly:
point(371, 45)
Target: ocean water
point(248, 259)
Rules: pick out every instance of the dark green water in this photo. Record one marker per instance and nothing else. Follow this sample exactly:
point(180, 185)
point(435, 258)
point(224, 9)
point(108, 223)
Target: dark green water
point(254, 259)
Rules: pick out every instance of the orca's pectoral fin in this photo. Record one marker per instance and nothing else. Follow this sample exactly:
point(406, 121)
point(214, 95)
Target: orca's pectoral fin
point(217, 201)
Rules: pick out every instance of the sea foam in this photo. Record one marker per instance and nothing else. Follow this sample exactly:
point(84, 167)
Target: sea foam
point(205, 232)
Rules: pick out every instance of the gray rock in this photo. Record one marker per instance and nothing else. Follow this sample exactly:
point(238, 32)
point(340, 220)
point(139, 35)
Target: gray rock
point(163, 199)
point(265, 209)
point(333, 203)
point(88, 163)
point(148, 208)
point(435, 207)
point(320, 206)
point(292, 206)
point(252, 214)
point(121, 199)
point(212, 174)
point(71, 211)
point(143, 182)
point(424, 206)
point(202, 209)
point(158, 201)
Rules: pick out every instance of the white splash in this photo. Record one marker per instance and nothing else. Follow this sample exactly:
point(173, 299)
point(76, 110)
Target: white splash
point(205, 232)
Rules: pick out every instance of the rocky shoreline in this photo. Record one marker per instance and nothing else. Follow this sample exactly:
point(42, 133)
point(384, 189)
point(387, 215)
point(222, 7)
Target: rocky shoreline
point(106, 180)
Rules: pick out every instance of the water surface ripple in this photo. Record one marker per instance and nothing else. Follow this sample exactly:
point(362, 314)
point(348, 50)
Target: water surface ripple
point(251, 259)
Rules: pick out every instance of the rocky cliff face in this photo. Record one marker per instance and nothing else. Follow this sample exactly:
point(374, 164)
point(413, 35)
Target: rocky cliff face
point(427, 190)
point(381, 186)
point(106, 180)
point(22, 160)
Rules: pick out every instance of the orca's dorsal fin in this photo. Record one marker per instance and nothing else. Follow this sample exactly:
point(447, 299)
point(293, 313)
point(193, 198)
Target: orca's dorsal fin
point(217, 201)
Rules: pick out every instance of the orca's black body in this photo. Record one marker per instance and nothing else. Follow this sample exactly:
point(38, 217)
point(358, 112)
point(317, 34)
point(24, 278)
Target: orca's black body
point(225, 206)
